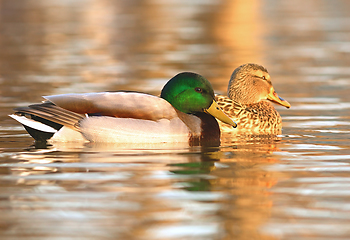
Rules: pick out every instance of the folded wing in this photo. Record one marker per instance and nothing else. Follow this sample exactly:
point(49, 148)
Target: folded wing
point(116, 104)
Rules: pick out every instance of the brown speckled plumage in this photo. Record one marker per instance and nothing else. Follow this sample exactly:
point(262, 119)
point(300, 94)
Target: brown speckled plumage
point(248, 91)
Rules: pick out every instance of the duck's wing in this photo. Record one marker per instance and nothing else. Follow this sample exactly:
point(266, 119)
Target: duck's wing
point(52, 113)
point(116, 104)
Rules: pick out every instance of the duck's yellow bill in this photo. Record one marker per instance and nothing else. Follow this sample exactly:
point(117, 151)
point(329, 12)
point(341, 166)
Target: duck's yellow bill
point(216, 111)
point(273, 96)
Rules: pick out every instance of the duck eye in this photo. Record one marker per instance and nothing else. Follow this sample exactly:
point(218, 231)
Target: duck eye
point(263, 77)
point(198, 90)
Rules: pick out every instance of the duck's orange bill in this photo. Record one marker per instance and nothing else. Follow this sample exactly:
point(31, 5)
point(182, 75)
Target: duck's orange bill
point(273, 96)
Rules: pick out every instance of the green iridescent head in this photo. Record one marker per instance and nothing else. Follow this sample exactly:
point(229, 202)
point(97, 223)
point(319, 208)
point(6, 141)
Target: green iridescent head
point(188, 92)
point(191, 93)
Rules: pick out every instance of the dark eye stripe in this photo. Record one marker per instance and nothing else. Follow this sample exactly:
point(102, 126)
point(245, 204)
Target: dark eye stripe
point(263, 77)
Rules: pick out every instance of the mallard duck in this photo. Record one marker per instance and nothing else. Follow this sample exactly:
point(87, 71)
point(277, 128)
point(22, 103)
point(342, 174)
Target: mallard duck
point(249, 88)
point(184, 112)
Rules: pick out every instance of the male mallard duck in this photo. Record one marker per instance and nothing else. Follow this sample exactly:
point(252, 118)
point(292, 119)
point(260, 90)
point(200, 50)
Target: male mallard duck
point(249, 88)
point(184, 112)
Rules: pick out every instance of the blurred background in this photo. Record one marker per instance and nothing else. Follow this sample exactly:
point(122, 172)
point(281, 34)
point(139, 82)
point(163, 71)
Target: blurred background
point(87, 45)
point(49, 47)
point(295, 188)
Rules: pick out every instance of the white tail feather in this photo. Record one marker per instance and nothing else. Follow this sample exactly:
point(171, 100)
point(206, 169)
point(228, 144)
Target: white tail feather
point(33, 124)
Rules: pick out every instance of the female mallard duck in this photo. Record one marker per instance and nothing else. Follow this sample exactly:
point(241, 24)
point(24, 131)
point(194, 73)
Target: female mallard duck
point(184, 113)
point(249, 87)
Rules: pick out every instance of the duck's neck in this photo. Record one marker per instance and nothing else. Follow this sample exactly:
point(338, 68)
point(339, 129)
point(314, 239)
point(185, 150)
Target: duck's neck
point(204, 129)
point(210, 131)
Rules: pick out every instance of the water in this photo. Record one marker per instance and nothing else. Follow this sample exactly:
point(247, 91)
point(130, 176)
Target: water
point(293, 187)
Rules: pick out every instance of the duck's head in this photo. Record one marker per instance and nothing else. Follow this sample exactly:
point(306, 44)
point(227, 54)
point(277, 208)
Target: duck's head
point(191, 93)
point(251, 83)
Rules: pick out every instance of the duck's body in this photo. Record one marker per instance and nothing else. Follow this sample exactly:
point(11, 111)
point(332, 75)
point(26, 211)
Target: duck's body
point(250, 93)
point(258, 118)
point(180, 115)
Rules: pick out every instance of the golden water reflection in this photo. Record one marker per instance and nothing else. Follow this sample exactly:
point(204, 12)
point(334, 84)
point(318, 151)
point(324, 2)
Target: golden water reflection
point(154, 193)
